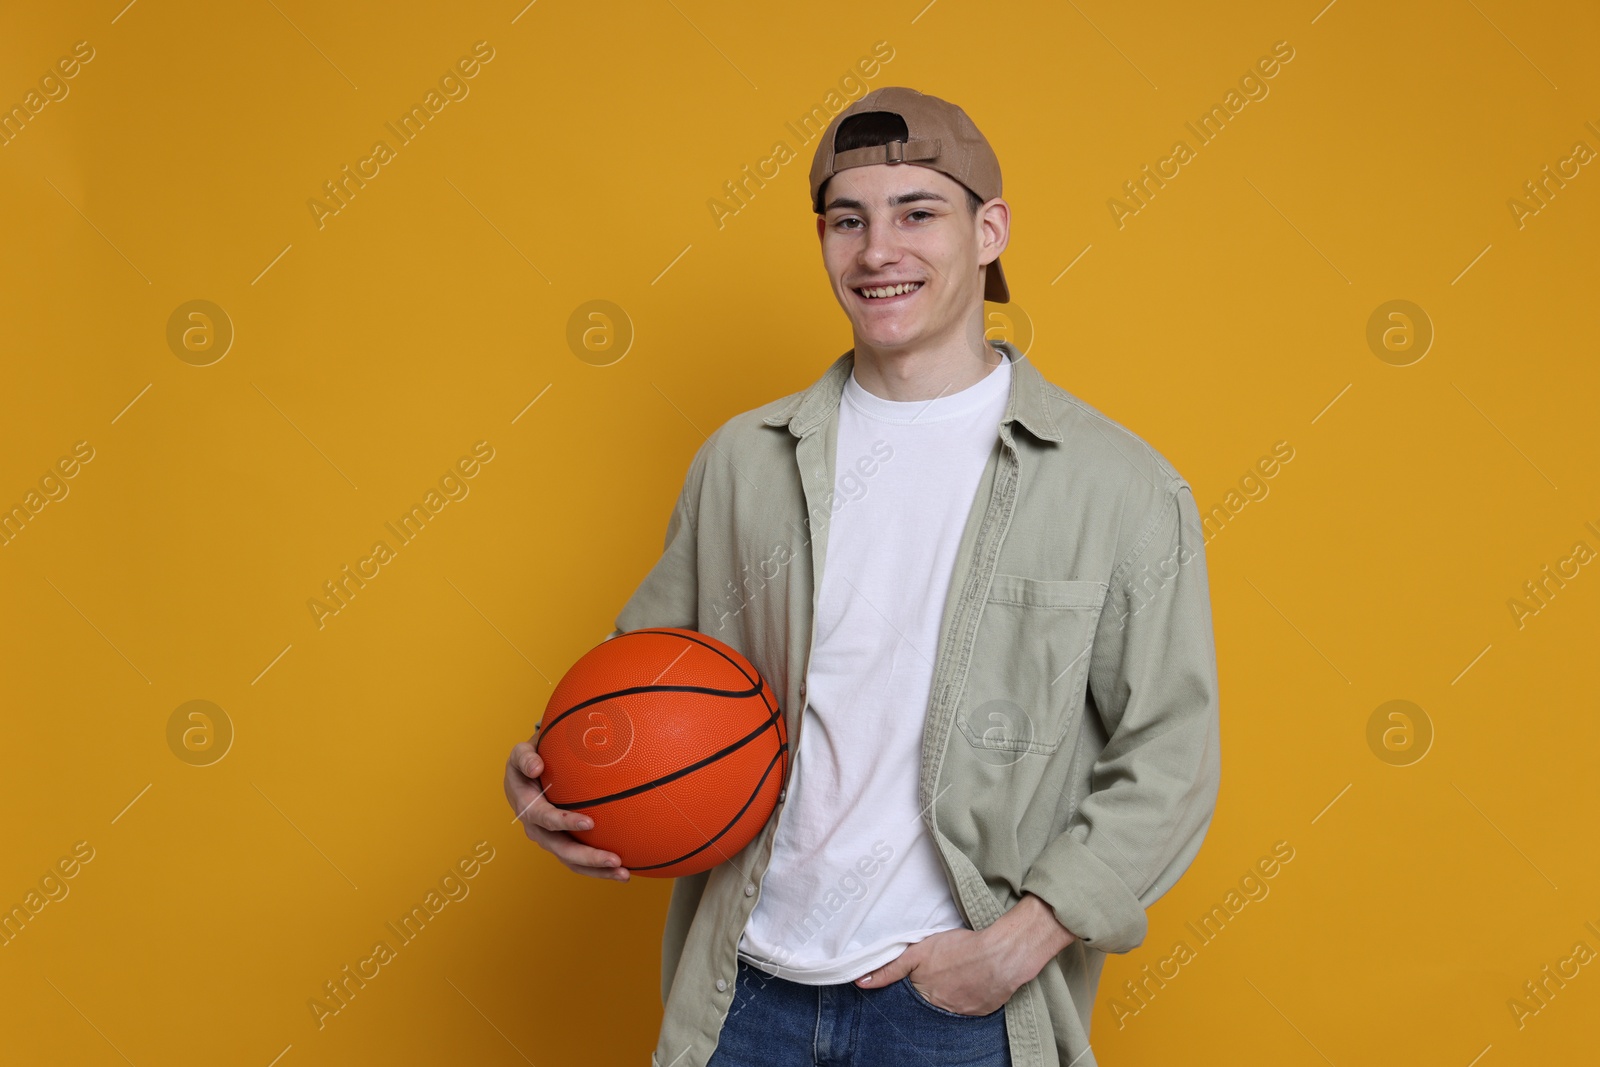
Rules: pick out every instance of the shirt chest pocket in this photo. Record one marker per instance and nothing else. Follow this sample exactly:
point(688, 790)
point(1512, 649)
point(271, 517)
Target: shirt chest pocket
point(1030, 663)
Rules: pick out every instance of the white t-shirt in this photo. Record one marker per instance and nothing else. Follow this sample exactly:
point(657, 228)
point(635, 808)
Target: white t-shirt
point(854, 877)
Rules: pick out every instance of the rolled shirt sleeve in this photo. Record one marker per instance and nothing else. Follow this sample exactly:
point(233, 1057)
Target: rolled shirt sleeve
point(1153, 788)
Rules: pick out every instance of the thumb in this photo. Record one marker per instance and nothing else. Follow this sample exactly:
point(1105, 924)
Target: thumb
point(890, 972)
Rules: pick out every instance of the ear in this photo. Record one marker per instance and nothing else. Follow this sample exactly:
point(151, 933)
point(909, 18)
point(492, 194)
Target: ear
point(822, 222)
point(994, 230)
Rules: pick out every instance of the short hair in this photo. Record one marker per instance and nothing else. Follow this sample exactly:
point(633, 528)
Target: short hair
point(869, 128)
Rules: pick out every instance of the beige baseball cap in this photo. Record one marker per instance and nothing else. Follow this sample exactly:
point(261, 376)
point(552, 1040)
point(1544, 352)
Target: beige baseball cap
point(941, 137)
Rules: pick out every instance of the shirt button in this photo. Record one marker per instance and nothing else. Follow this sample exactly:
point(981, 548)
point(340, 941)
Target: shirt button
point(750, 889)
point(722, 985)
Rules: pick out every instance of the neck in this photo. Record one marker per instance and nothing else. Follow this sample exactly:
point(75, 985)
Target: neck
point(937, 369)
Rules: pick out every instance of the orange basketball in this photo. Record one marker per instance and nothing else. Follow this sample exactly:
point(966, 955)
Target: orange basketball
point(672, 743)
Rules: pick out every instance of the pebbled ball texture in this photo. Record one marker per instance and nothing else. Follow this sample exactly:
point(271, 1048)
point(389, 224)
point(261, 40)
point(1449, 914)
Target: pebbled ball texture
point(672, 742)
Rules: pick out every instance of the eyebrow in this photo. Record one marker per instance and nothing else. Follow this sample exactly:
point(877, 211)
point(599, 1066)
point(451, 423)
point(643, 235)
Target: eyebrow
point(894, 201)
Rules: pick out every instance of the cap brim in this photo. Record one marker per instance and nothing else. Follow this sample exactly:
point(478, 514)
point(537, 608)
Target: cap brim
point(995, 289)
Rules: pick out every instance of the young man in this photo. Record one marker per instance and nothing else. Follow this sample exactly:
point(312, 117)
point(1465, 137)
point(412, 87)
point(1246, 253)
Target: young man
point(986, 609)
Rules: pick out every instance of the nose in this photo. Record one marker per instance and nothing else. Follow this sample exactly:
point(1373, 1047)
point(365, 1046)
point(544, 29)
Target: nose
point(881, 247)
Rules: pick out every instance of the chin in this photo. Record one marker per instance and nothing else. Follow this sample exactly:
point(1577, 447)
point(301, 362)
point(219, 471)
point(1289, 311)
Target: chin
point(888, 330)
point(893, 339)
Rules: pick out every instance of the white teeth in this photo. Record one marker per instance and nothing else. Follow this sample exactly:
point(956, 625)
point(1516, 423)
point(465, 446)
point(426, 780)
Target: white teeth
point(890, 290)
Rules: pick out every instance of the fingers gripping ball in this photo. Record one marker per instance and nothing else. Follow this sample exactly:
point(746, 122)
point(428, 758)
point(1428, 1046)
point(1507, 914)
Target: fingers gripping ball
point(672, 743)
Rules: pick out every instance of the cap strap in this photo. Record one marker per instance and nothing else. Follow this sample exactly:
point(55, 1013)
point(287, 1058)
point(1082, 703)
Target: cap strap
point(893, 152)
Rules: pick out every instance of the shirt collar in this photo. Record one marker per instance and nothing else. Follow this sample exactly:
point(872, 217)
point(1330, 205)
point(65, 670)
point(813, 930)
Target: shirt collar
point(807, 410)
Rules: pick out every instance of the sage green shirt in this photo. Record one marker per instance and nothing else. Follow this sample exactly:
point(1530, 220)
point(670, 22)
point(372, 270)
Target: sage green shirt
point(1071, 745)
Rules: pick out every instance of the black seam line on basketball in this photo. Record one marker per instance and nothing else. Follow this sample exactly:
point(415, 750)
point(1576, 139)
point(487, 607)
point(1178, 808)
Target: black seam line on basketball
point(703, 644)
point(758, 682)
point(731, 822)
point(732, 694)
point(675, 775)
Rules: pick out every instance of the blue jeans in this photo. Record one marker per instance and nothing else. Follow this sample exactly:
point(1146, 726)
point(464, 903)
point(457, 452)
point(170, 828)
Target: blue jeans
point(774, 1022)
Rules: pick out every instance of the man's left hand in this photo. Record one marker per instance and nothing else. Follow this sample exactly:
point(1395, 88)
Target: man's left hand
point(975, 973)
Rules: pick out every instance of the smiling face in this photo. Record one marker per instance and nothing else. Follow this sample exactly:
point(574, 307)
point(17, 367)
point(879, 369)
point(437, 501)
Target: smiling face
point(904, 254)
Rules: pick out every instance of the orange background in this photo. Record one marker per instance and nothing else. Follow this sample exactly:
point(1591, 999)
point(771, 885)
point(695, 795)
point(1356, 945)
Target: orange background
point(371, 353)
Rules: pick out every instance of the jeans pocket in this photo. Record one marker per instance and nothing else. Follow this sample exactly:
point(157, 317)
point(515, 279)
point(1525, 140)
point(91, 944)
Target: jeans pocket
point(929, 1005)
